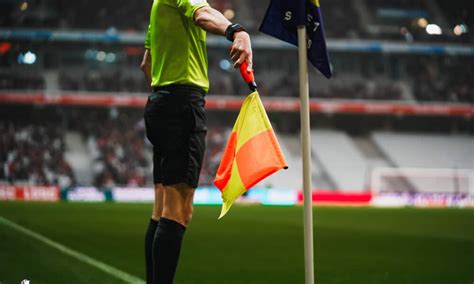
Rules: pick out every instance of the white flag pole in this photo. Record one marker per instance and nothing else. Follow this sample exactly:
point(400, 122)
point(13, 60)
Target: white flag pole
point(306, 153)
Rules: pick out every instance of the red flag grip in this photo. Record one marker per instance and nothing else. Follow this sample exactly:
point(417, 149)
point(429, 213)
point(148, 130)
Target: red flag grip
point(248, 76)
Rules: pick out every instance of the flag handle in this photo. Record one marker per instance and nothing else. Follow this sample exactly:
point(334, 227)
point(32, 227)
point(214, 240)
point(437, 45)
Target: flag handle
point(248, 76)
point(306, 153)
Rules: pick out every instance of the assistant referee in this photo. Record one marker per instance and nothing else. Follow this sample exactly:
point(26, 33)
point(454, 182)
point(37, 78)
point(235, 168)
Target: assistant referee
point(175, 65)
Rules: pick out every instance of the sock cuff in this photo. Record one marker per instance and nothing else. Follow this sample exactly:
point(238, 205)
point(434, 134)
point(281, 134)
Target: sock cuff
point(171, 225)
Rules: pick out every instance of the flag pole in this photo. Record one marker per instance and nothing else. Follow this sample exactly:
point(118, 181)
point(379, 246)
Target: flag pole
point(306, 153)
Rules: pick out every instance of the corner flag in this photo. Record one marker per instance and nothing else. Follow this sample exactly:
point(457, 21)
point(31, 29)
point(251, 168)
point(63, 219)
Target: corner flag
point(284, 16)
point(252, 153)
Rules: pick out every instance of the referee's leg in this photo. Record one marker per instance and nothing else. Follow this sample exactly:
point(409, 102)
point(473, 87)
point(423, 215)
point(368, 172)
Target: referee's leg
point(151, 231)
point(176, 215)
point(158, 205)
point(178, 203)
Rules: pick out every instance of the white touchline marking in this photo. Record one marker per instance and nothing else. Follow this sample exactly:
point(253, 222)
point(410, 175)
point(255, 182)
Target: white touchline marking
point(75, 254)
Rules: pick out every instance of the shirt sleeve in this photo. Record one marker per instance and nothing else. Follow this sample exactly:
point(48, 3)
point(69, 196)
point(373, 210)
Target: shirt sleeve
point(188, 7)
point(147, 38)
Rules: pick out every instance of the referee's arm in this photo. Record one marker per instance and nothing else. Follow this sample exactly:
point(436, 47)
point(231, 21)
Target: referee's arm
point(146, 65)
point(214, 22)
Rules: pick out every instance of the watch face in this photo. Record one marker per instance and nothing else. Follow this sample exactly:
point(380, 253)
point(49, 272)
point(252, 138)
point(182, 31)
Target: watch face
point(232, 29)
point(237, 28)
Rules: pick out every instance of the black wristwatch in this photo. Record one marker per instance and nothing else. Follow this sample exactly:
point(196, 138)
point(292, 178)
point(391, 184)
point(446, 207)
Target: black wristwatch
point(232, 29)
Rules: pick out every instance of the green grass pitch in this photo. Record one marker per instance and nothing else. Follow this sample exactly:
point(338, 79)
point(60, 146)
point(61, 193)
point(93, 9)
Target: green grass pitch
point(252, 244)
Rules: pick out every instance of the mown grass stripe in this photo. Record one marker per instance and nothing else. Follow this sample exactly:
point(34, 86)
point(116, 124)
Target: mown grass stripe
point(119, 274)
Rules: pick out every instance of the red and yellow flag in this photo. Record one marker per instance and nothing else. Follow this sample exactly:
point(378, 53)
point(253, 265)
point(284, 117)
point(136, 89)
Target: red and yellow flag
point(252, 153)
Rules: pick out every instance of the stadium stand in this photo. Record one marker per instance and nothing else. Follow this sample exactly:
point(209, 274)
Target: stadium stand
point(79, 157)
point(423, 80)
point(344, 163)
point(291, 177)
point(409, 77)
point(118, 80)
point(114, 151)
point(427, 150)
point(358, 19)
point(93, 146)
point(34, 154)
point(124, 15)
point(117, 145)
point(21, 80)
point(216, 140)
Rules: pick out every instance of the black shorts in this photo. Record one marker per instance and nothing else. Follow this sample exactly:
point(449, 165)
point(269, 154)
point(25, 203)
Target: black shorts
point(176, 125)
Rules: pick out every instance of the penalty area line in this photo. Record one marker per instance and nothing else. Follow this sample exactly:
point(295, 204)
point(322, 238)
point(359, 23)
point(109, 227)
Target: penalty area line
point(119, 274)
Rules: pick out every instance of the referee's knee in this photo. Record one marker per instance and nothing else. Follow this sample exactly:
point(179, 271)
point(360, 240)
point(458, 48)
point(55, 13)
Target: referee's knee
point(178, 203)
point(183, 216)
point(181, 213)
point(187, 216)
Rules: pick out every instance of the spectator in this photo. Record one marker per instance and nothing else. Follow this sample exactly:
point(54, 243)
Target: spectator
point(34, 154)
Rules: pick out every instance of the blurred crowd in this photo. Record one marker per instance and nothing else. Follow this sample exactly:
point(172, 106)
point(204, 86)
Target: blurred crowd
point(454, 83)
point(116, 149)
point(35, 151)
point(123, 156)
point(343, 18)
point(11, 80)
point(216, 140)
point(94, 80)
point(403, 77)
point(427, 82)
point(34, 154)
point(116, 146)
point(80, 14)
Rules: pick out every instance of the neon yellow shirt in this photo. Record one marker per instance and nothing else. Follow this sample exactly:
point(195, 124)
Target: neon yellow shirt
point(177, 44)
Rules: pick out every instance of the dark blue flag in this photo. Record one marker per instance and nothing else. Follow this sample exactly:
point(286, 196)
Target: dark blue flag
point(282, 20)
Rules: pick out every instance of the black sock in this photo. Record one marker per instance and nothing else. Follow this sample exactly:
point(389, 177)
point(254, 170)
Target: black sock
point(149, 236)
point(166, 249)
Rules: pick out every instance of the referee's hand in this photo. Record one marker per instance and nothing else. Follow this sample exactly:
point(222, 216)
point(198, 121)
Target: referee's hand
point(241, 50)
